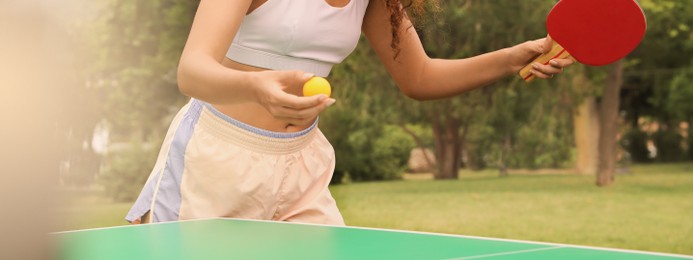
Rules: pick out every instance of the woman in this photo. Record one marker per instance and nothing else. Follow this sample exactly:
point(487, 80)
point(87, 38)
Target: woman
point(247, 145)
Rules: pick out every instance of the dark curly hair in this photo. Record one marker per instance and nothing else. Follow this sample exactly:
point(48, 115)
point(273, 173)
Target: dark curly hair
point(398, 13)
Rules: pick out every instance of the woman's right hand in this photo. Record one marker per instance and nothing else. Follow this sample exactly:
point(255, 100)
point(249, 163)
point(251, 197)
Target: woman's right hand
point(280, 92)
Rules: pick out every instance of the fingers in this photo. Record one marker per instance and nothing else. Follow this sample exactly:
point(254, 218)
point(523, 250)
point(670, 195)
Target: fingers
point(554, 67)
point(297, 110)
point(294, 76)
point(534, 47)
point(292, 81)
point(561, 63)
point(299, 102)
point(304, 116)
point(545, 70)
point(547, 44)
point(283, 98)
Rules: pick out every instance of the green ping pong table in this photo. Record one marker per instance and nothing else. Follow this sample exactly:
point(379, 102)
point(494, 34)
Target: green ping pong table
point(250, 239)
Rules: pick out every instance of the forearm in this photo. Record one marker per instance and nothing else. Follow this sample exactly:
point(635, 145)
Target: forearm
point(421, 77)
point(204, 78)
point(440, 78)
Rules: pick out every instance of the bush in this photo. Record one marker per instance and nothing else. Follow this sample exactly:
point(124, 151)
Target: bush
point(82, 169)
point(378, 153)
point(127, 171)
point(393, 149)
point(536, 147)
point(668, 144)
point(366, 150)
point(478, 146)
point(634, 142)
point(690, 142)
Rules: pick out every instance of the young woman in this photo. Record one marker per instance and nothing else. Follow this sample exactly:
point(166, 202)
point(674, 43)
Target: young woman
point(247, 144)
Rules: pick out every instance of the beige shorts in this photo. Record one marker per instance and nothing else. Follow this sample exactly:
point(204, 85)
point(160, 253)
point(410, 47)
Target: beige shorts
point(211, 165)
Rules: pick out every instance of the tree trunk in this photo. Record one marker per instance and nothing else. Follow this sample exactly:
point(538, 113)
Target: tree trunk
point(447, 148)
point(586, 124)
point(608, 122)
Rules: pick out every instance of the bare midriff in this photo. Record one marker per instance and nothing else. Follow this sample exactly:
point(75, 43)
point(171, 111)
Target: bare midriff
point(253, 113)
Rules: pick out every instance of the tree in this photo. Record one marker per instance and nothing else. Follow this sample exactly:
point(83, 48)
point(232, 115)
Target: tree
point(360, 125)
point(608, 122)
point(478, 120)
point(679, 103)
point(137, 46)
point(662, 56)
point(586, 123)
point(639, 79)
point(80, 109)
point(465, 31)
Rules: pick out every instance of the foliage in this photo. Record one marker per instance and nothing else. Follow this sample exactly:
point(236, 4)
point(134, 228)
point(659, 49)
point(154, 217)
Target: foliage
point(378, 154)
point(663, 55)
point(139, 45)
point(132, 48)
point(135, 50)
point(423, 132)
point(534, 121)
point(634, 142)
point(371, 152)
point(127, 170)
point(679, 103)
point(492, 116)
point(76, 102)
point(479, 144)
point(356, 123)
point(669, 145)
point(462, 29)
point(689, 143)
point(544, 149)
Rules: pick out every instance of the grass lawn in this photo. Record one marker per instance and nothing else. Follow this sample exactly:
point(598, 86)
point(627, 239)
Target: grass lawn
point(89, 209)
point(650, 208)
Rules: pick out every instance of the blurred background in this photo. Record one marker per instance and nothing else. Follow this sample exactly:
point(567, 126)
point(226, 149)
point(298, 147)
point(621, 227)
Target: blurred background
point(599, 156)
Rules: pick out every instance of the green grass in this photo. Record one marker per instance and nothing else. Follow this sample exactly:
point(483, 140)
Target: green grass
point(89, 209)
point(650, 208)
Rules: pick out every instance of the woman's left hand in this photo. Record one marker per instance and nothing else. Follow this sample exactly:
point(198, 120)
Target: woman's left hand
point(524, 53)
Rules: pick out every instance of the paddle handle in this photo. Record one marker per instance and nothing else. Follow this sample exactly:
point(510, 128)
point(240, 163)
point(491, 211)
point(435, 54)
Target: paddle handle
point(557, 52)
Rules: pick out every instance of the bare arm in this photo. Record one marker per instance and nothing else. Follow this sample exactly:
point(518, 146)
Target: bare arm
point(201, 74)
point(421, 77)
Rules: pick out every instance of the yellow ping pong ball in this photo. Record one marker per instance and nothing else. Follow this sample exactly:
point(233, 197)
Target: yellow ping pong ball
point(316, 85)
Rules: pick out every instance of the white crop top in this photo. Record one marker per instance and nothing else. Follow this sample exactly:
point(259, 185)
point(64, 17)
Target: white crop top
point(308, 35)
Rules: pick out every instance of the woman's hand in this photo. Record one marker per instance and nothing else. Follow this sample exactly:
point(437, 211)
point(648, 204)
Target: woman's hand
point(524, 53)
point(280, 92)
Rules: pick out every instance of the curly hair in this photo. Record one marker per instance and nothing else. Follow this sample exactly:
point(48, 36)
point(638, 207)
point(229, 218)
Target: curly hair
point(398, 13)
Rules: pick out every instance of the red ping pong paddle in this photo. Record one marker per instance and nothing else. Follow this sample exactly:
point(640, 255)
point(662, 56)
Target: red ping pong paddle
point(593, 32)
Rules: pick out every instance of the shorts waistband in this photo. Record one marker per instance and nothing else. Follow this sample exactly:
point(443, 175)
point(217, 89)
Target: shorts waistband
point(250, 137)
